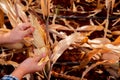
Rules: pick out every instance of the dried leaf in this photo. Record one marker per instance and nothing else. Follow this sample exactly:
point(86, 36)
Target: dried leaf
point(117, 40)
point(1, 18)
point(3, 62)
point(98, 42)
point(109, 3)
point(86, 59)
point(90, 28)
point(115, 48)
point(20, 13)
point(59, 48)
point(15, 64)
point(91, 67)
point(115, 32)
point(113, 72)
point(59, 27)
point(118, 20)
point(8, 9)
point(74, 7)
point(89, 1)
point(45, 6)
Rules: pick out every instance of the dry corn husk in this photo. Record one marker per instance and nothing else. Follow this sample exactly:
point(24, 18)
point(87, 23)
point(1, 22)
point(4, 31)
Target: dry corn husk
point(40, 39)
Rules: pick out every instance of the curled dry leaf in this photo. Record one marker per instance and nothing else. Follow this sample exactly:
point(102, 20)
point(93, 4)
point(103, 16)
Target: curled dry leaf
point(3, 62)
point(115, 48)
point(14, 64)
point(91, 67)
point(90, 28)
point(59, 27)
point(98, 42)
point(56, 33)
point(116, 33)
point(64, 44)
point(86, 59)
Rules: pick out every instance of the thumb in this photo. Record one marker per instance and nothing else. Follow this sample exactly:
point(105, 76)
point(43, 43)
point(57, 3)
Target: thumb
point(28, 31)
point(38, 57)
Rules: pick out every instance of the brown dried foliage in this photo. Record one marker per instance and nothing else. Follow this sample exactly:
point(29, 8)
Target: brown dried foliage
point(82, 31)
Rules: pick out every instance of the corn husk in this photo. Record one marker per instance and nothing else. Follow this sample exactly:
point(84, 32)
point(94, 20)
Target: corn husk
point(40, 39)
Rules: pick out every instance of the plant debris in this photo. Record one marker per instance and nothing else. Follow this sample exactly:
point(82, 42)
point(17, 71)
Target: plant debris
point(80, 37)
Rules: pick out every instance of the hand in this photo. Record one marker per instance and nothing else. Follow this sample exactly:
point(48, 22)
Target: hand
point(19, 32)
point(29, 65)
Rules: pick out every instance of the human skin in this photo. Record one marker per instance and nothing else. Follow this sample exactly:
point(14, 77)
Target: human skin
point(29, 65)
point(17, 34)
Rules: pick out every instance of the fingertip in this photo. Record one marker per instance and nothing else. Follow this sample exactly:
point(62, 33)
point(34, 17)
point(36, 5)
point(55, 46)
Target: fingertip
point(32, 29)
point(44, 55)
point(28, 31)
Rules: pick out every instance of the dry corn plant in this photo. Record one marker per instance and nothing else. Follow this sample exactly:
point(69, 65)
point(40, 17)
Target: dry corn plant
point(56, 39)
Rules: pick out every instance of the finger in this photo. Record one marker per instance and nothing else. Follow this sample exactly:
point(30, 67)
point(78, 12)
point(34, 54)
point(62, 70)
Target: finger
point(40, 67)
point(24, 26)
point(38, 57)
point(28, 31)
point(30, 35)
